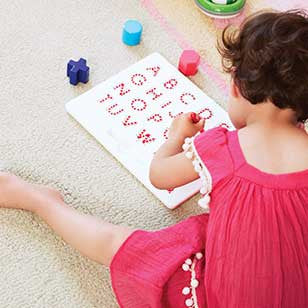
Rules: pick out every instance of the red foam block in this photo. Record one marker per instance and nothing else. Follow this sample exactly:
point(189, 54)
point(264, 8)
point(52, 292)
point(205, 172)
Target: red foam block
point(189, 62)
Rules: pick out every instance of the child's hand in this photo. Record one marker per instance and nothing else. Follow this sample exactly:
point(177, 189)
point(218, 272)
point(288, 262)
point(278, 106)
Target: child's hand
point(182, 126)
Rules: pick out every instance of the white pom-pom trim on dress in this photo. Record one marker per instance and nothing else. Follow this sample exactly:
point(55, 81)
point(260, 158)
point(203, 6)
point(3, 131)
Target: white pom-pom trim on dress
point(201, 169)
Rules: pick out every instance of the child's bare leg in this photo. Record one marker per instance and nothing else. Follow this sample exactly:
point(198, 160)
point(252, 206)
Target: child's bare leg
point(94, 238)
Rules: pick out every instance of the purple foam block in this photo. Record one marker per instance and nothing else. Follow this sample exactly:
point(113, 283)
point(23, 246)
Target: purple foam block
point(78, 71)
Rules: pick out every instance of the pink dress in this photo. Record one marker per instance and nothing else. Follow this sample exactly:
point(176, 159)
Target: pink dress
point(251, 251)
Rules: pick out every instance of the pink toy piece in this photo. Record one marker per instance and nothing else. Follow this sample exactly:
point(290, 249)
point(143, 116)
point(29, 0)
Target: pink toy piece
point(195, 118)
point(189, 62)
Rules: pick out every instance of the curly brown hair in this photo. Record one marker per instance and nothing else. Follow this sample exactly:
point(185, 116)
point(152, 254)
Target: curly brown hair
point(268, 59)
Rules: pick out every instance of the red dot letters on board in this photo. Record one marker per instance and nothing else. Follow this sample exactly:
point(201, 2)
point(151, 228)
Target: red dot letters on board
point(170, 84)
point(174, 116)
point(121, 86)
point(155, 117)
point(132, 111)
point(138, 79)
point(166, 104)
point(109, 109)
point(155, 95)
point(204, 111)
point(166, 133)
point(108, 97)
point(126, 123)
point(146, 137)
point(225, 125)
point(184, 101)
point(136, 104)
point(154, 69)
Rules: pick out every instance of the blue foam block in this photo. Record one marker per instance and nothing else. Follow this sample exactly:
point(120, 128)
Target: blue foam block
point(78, 71)
point(132, 31)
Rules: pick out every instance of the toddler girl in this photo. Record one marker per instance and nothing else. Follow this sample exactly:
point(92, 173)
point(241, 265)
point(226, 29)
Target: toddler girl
point(252, 249)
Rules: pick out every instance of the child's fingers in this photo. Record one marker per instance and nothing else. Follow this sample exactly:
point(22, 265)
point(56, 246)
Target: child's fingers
point(200, 124)
point(195, 118)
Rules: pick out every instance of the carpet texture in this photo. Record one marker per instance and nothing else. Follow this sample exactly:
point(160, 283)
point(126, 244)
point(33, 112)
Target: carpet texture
point(41, 143)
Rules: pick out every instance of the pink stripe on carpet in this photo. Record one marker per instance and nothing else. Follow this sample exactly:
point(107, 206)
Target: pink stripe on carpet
point(206, 67)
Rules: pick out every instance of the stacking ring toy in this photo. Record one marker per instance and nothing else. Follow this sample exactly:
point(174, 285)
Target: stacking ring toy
point(223, 9)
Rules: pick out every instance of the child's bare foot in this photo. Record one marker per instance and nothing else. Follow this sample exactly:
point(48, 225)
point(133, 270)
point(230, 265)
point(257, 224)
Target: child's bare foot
point(18, 194)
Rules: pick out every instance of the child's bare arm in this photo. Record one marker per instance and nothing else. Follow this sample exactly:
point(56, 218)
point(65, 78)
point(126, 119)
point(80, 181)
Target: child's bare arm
point(170, 167)
point(171, 170)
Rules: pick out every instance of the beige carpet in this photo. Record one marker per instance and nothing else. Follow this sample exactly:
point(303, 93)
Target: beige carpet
point(41, 143)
